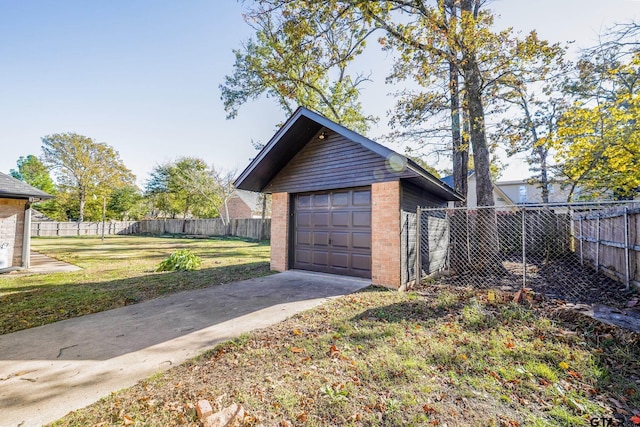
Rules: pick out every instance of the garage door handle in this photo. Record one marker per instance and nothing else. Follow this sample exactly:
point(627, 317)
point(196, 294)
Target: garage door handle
point(329, 241)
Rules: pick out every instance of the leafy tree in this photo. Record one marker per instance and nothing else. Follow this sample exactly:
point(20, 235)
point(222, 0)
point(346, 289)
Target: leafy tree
point(32, 171)
point(299, 56)
point(84, 167)
point(599, 139)
point(126, 203)
point(189, 186)
point(534, 104)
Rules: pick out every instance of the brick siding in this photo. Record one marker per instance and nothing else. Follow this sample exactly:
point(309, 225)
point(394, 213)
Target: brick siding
point(12, 228)
point(385, 234)
point(280, 231)
point(238, 209)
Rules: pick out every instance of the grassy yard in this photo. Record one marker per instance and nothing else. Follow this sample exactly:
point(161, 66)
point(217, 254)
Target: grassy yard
point(118, 272)
point(381, 358)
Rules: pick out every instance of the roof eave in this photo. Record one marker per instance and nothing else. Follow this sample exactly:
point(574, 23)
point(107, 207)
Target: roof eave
point(454, 196)
point(21, 196)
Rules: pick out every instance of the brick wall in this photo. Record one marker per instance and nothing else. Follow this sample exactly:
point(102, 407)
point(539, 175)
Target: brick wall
point(385, 234)
point(280, 231)
point(238, 209)
point(12, 228)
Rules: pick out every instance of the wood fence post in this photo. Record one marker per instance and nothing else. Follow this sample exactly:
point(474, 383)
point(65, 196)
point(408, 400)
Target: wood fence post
point(626, 248)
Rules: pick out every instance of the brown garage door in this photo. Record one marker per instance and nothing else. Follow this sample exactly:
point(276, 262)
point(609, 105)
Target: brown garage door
point(333, 232)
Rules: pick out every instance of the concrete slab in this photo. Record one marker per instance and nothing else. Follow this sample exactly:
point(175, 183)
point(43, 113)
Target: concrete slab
point(47, 371)
point(42, 264)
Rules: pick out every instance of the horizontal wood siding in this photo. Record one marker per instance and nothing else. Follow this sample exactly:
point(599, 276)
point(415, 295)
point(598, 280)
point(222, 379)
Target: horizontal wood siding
point(331, 163)
point(414, 196)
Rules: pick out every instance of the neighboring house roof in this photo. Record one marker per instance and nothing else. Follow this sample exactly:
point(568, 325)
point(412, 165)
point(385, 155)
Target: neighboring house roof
point(250, 198)
point(449, 181)
point(37, 216)
point(11, 188)
point(297, 132)
point(449, 178)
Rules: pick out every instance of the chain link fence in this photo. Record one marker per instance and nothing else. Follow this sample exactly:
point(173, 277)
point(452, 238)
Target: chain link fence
point(583, 253)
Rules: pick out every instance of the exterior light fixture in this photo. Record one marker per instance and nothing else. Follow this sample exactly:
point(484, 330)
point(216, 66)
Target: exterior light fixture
point(322, 135)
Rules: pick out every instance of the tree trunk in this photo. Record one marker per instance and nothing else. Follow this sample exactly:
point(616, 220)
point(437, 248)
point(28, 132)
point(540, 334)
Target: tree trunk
point(486, 256)
point(544, 177)
point(460, 149)
point(460, 155)
point(82, 198)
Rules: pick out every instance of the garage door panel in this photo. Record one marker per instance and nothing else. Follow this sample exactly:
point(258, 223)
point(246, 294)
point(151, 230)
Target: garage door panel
point(340, 218)
point(303, 256)
point(339, 259)
point(320, 238)
point(303, 238)
point(362, 219)
point(321, 200)
point(303, 219)
point(340, 199)
point(333, 232)
point(303, 202)
point(319, 219)
point(361, 262)
point(361, 240)
point(340, 240)
point(362, 198)
point(320, 258)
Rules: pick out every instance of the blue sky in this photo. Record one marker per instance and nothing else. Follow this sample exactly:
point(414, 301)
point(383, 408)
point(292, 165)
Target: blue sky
point(143, 75)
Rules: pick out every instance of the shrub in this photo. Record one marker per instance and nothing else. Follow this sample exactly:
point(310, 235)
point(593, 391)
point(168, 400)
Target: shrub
point(182, 260)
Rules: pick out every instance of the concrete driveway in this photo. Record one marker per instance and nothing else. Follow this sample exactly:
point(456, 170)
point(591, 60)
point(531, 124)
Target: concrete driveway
point(47, 371)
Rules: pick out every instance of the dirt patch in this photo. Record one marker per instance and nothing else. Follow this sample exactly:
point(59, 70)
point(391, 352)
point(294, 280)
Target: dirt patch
point(562, 279)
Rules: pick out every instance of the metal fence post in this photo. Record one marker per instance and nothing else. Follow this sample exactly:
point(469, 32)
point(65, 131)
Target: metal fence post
point(598, 243)
point(580, 240)
point(418, 247)
point(524, 249)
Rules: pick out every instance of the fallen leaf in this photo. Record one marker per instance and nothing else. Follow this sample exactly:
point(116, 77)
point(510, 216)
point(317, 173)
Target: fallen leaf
point(563, 365)
point(429, 409)
point(302, 417)
point(334, 351)
point(128, 420)
point(297, 332)
point(509, 344)
point(574, 374)
point(635, 419)
point(297, 350)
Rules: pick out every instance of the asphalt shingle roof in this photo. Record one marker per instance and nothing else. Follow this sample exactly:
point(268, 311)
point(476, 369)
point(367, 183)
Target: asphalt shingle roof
point(11, 188)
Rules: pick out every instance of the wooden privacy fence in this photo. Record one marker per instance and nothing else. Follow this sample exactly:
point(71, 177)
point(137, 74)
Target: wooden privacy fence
point(609, 241)
point(256, 229)
point(50, 228)
point(249, 228)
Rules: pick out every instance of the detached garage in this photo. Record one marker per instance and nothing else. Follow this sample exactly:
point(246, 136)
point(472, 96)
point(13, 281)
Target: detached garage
point(338, 198)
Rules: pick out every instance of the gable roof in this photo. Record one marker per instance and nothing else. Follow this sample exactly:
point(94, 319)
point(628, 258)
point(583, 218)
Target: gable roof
point(449, 178)
point(297, 132)
point(11, 188)
point(496, 186)
point(250, 198)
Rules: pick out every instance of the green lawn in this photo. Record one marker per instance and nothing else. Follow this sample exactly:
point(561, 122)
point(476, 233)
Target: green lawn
point(117, 272)
point(382, 358)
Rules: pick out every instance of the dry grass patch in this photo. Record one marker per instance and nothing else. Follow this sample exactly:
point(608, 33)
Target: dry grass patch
point(380, 358)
